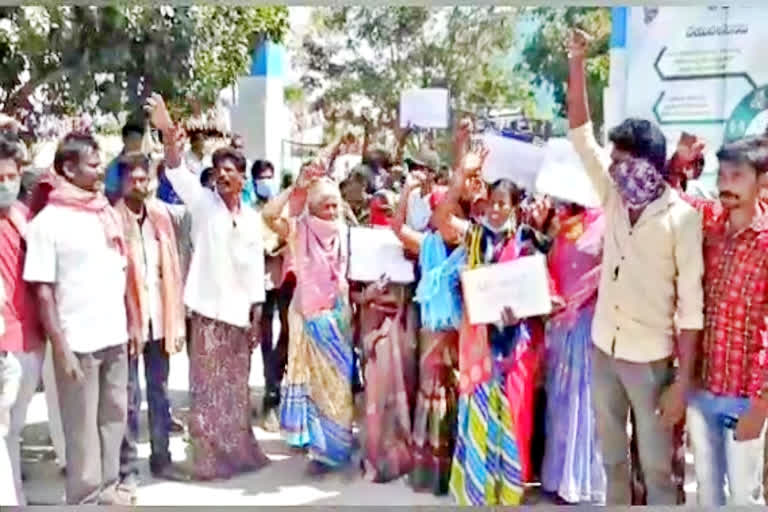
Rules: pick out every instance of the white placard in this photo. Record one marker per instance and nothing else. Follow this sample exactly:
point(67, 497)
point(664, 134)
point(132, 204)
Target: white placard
point(425, 108)
point(521, 284)
point(374, 252)
point(512, 159)
point(563, 176)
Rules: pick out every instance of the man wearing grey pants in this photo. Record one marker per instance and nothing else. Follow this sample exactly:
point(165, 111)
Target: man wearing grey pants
point(76, 260)
point(650, 288)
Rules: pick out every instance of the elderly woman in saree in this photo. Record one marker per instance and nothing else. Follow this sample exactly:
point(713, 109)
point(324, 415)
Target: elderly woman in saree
point(316, 407)
point(572, 467)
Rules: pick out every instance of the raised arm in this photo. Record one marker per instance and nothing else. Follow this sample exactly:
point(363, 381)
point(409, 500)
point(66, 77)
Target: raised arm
point(596, 161)
point(272, 213)
point(448, 214)
point(410, 238)
point(578, 100)
point(461, 140)
point(400, 145)
point(185, 183)
point(294, 197)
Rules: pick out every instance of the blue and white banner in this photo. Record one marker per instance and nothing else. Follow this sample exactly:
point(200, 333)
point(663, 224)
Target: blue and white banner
point(701, 70)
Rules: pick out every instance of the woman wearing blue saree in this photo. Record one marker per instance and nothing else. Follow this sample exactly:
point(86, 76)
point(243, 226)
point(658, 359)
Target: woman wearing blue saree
point(489, 460)
point(316, 407)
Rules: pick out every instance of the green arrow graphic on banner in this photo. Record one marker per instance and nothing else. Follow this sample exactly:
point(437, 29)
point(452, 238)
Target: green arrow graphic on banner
point(746, 110)
point(662, 121)
point(703, 76)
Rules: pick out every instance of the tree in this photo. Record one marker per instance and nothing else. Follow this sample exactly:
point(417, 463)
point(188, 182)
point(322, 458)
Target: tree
point(60, 60)
point(545, 57)
point(359, 59)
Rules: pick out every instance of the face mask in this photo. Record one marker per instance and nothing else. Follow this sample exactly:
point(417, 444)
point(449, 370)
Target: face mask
point(266, 188)
point(639, 183)
point(419, 211)
point(9, 192)
point(507, 226)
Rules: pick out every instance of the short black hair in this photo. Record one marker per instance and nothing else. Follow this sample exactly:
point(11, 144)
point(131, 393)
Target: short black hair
point(205, 176)
point(71, 148)
point(10, 147)
point(259, 166)
point(133, 127)
point(127, 163)
point(514, 192)
point(752, 151)
point(229, 153)
point(196, 134)
point(643, 139)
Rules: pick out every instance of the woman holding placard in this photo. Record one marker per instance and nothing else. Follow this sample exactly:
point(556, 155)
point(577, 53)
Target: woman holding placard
point(316, 407)
point(497, 363)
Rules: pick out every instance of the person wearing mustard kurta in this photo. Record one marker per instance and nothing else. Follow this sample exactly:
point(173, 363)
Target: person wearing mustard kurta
point(650, 285)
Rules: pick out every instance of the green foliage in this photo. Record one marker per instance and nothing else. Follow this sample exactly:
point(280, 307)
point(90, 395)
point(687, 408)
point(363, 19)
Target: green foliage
point(369, 55)
point(70, 59)
point(293, 94)
point(545, 56)
point(225, 39)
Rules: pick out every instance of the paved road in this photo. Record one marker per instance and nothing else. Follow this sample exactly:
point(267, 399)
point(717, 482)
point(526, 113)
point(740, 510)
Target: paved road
point(283, 482)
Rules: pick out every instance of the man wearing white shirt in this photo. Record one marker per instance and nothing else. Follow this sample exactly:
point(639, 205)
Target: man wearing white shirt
point(224, 291)
point(76, 260)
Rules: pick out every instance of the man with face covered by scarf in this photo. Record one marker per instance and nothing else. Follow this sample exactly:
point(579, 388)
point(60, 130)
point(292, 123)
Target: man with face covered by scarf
point(650, 289)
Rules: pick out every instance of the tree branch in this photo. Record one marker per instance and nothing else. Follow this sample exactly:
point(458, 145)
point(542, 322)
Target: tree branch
point(18, 98)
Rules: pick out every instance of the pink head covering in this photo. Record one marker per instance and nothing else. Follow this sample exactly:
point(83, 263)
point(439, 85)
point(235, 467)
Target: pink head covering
point(321, 258)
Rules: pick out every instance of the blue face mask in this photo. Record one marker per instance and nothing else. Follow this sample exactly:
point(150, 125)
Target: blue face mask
point(266, 188)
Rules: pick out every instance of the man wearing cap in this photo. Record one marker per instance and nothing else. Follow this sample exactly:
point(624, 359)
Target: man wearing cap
point(419, 209)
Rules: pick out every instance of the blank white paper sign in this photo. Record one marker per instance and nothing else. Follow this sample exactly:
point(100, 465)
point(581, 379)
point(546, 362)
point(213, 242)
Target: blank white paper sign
point(563, 176)
point(512, 159)
point(522, 284)
point(424, 108)
point(374, 252)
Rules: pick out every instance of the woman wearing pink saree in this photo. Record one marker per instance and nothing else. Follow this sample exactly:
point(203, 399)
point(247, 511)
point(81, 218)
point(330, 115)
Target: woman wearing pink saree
point(572, 465)
point(316, 408)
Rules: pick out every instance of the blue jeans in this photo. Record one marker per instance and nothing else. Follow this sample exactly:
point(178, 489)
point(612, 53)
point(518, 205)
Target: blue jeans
point(156, 368)
point(718, 455)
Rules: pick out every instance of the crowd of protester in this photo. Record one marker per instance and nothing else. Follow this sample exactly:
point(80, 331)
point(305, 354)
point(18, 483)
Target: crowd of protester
point(658, 323)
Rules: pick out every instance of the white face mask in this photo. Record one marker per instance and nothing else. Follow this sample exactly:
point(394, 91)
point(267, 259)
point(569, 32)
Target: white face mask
point(419, 211)
point(9, 192)
point(507, 226)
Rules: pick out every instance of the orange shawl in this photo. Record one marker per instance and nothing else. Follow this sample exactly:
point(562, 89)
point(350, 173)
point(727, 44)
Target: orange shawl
point(170, 271)
point(66, 195)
